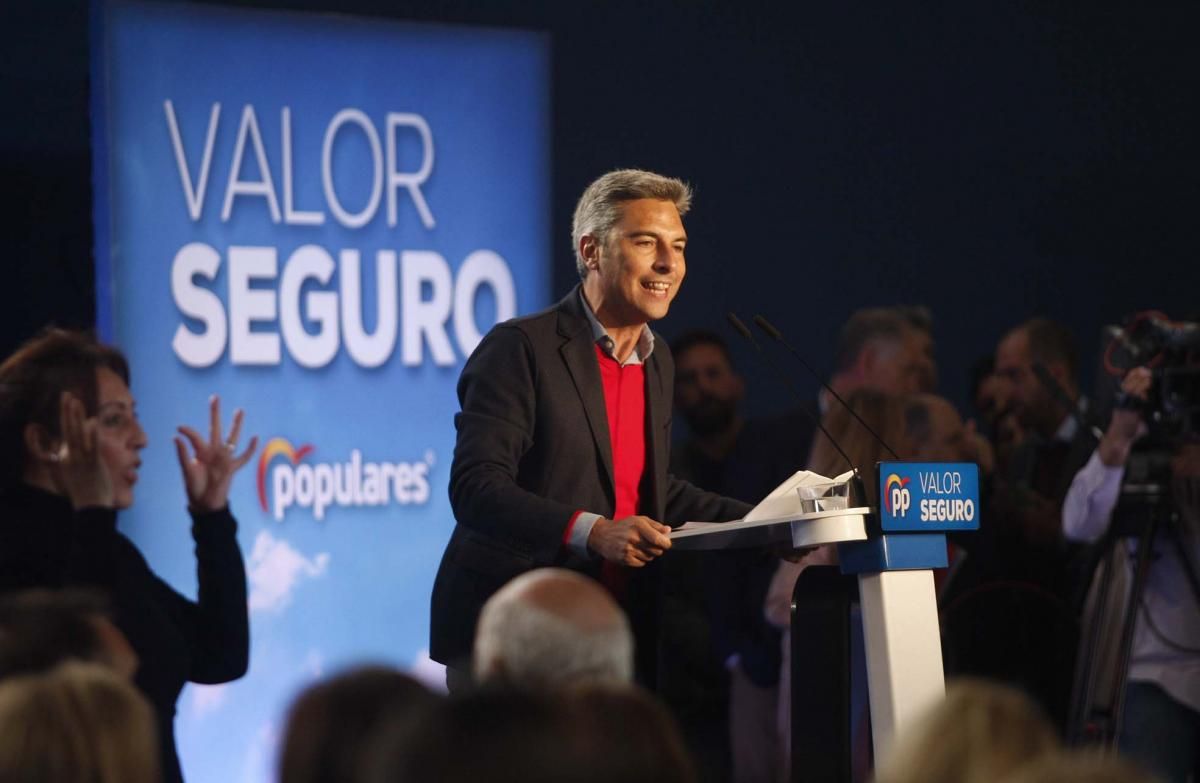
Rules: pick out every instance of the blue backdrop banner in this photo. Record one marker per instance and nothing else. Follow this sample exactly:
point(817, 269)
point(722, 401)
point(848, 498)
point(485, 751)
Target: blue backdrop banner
point(317, 218)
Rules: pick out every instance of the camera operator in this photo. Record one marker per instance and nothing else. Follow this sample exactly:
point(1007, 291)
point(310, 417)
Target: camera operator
point(1161, 721)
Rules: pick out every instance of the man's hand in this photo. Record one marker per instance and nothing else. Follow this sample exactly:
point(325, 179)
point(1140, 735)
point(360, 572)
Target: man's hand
point(1126, 425)
point(632, 541)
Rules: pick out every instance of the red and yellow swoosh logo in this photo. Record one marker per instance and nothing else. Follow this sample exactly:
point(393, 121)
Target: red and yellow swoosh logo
point(274, 448)
point(893, 479)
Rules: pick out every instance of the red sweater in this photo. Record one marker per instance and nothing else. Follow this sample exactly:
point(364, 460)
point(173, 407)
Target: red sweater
point(625, 405)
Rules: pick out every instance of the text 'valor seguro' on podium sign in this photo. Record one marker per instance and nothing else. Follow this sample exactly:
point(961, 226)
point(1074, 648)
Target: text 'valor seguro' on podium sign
point(928, 497)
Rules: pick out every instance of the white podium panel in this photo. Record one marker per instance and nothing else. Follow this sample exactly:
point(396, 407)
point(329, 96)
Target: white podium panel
point(904, 650)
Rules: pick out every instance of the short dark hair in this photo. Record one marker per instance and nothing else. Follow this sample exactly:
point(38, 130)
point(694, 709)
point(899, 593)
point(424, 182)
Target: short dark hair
point(866, 326)
point(689, 340)
point(39, 629)
point(33, 379)
point(334, 727)
point(1050, 341)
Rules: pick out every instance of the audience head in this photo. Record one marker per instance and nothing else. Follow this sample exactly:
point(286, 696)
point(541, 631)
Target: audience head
point(934, 430)
point(625, 735)
point(877, 350)
point(920, 338)
point(39, 629)
point(79, 723)
point(707, 389)
point(550, 627)
point(1038, 340)
point(884, 413)
point(595, 733)
point(1081, 767)
point(334, 726)
point(32, 382)
point(979, 733)
point(493, 733)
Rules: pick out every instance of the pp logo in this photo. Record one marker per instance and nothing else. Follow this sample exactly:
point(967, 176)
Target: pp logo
point(896, 497)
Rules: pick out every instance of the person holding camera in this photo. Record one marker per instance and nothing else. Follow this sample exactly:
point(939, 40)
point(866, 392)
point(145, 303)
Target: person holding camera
point(1161, 720)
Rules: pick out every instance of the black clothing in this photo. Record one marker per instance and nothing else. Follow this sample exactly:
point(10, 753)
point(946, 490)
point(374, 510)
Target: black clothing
point(44, 543)
point(533, 448)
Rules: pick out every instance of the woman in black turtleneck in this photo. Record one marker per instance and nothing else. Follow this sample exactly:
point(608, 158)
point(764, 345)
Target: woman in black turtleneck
point(70, 446)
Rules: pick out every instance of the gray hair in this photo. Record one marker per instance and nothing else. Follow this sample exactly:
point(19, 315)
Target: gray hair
point(599, 207)
point(867, 326)
point(527, 644)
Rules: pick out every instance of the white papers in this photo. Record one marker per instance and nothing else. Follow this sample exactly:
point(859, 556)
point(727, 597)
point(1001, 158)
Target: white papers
point(765, 522)
point(782, 504)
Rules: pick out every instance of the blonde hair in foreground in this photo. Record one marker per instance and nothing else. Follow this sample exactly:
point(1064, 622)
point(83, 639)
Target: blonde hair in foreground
point(1081, 767)
point(78, 723)
point(980, 733)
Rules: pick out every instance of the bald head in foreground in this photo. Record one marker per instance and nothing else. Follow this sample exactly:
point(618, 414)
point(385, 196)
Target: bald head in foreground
point(553, 627)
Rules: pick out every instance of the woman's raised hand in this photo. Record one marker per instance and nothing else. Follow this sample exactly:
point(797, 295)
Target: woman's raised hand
point(77, 462)
point(208, 472)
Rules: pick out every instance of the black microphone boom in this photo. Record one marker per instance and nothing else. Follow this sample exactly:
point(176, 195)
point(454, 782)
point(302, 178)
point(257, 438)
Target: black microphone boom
point(775, 334)
point(745, 332)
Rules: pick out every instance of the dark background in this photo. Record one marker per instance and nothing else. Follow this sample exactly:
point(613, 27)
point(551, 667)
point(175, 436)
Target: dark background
point(991, 160)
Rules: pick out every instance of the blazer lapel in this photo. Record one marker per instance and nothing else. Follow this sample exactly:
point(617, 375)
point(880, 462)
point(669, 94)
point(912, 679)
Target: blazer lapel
point(579, 354)
point(656, 419)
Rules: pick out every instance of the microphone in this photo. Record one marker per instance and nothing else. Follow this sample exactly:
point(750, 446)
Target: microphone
point(1062, 398)
point(775, 334)
point(745, 332)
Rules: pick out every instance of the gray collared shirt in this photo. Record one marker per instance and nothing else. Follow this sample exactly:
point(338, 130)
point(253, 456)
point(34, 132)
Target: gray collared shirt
point(641, 351)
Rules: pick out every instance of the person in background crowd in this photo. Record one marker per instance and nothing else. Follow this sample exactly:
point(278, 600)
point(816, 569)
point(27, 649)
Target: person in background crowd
point(552, 627)
point(594, 733)
point(39, 629)
point(1010, 613)
point(935, 432)
point(877, 349)
point(335, 727)
point(921, 346)
point(77, 723)
point(978, 734)
point(991, 399)
point(1161, 721)
point(70, 444)
point(722, 682)
point(1055, 445)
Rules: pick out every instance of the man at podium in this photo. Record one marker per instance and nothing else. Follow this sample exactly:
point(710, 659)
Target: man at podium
point(565, 426)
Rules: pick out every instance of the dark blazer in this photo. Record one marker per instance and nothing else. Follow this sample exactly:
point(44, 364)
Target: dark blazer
point(533, 448)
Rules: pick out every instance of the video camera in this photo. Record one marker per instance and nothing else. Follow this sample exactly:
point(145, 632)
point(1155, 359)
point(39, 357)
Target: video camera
point(1171, 349)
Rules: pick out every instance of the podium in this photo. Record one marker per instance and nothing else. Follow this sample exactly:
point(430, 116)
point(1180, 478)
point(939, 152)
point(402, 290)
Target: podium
point(890, 551)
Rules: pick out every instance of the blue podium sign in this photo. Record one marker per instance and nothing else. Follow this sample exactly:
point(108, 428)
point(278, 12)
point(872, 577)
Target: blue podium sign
point(316, 217)
point(928, 497)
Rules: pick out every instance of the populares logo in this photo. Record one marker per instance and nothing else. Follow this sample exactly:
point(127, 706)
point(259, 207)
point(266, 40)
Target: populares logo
point(896, 497)
point(349, 484)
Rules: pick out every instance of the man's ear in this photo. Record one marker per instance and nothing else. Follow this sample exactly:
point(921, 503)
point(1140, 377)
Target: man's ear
point(589, 251)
